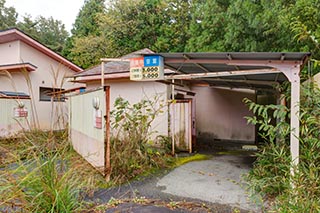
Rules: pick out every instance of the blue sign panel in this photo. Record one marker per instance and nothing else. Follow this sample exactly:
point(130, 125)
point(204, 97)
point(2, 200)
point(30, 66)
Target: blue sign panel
point(153, 61)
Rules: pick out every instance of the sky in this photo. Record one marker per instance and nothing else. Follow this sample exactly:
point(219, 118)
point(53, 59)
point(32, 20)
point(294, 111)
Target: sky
point(63, 10)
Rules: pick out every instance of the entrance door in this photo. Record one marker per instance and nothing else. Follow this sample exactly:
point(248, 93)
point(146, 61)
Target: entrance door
point(181, 124)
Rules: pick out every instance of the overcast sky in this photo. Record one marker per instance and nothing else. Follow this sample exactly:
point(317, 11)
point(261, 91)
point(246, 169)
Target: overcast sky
point(63, 10)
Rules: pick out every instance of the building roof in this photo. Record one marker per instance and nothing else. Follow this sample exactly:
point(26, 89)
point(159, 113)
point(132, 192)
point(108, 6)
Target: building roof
point(15, 34)
point(13, 95)
point(14, 67)
point(114, 66)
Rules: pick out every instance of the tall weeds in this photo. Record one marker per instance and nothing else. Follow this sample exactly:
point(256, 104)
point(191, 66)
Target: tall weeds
point(43, 174)
point(132, 147)
point(39, 171)
point(40, 177)
point(271, 172)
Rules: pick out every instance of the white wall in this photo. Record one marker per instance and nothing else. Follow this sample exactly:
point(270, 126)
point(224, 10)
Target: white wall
point(87, 140)
point(220, 114)
point(9, 123)
point(48, 113)
point(135, 92)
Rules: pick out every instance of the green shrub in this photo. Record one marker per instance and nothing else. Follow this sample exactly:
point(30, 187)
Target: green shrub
point(271, 172)
point(132, 148)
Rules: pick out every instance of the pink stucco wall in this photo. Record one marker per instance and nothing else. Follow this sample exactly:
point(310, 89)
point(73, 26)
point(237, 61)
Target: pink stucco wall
point(220, 114)
point(48, 114)
point(9, 52)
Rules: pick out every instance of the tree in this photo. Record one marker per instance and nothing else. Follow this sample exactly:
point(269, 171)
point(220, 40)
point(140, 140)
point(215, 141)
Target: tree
point(8, 16)
point(305, 17)
point(174, 30)
point(86, 24)
point(208, 26)
point(133, 25)
point(128, 25)
point(86, 21)
point(90, 49)
point(48, 31)
point(124, 27)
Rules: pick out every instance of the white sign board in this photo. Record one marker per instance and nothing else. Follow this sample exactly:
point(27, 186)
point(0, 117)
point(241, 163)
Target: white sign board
point(147, 68)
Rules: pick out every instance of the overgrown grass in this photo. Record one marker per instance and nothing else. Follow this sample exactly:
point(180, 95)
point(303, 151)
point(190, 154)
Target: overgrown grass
point(41, 173)
point(271, 173)
point(132, 149)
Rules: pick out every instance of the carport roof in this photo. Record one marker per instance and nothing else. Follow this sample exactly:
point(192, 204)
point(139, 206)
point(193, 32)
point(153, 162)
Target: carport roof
point(255, 70)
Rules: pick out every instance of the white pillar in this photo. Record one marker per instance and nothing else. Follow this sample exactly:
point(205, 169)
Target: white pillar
point(294, 78)
point(294, 121)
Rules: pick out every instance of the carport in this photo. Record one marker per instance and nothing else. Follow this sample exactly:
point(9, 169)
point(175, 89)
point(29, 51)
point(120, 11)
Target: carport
point(252, 70)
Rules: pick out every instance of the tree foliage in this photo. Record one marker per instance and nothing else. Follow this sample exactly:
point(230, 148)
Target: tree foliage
point(86, 21)
point(85, 33)
point(8, 16)
point(198, 25)
point(47, 31)
point(119, 27)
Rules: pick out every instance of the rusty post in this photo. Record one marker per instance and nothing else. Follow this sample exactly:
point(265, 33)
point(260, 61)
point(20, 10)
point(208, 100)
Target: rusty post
point(107, 135)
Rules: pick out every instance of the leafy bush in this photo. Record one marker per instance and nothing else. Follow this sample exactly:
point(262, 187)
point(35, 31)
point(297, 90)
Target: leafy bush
point(132, 147)
point(271, 172)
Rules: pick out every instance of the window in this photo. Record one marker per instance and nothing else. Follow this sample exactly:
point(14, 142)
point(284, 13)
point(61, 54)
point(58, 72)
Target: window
point(47, 93)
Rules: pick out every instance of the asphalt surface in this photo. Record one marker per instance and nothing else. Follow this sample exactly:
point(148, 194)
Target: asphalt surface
point(216, 182)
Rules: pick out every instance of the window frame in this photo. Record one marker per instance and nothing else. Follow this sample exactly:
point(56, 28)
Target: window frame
point(50, 97)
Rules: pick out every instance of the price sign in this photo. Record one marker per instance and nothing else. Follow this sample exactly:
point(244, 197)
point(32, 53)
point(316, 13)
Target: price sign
point(136, 66)
point(151, 69)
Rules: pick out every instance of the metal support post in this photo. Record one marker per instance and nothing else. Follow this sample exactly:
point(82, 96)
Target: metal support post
point(173, 117)
point(102, 73)
point(294, 78)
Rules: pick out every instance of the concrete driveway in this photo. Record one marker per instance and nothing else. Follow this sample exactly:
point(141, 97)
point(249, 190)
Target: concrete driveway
point(217, 180)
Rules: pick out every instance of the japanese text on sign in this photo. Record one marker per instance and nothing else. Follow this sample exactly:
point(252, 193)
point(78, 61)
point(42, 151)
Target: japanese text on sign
point(147, 68)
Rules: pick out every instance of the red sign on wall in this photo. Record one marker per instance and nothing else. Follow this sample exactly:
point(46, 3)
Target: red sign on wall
point(20, 112)
point(136, 66)
point(98, 119)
